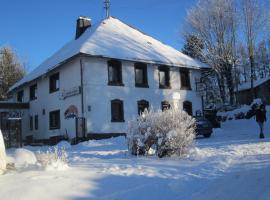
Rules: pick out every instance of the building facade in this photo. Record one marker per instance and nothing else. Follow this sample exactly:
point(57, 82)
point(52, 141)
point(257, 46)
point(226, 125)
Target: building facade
point(84, 93)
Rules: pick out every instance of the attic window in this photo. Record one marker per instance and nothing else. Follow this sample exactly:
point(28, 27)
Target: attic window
point(115, 73)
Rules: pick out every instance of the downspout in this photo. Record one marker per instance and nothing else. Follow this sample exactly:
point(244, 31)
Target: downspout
point(82, 98)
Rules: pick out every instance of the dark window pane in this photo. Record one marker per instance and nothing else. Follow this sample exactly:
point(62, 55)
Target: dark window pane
point(54, 82)
point(165, 105)
point(142, 105)
point(187, 106)
point(31, 123)
point(20, 95)
point(114, 72)
point(36, 122)
point(55, 119)
point(185, 80)
point(164, 77)
point(117, 111)
point(33, 92)
point(141, 75)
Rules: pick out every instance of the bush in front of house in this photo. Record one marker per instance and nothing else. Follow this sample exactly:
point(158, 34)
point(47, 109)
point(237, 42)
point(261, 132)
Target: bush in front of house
point(166, 133)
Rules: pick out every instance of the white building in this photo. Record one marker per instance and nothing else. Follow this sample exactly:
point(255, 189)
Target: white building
point(106, 75)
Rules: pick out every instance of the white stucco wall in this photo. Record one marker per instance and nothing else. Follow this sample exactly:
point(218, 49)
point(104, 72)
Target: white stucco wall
point(98, 95)
point(69, 76)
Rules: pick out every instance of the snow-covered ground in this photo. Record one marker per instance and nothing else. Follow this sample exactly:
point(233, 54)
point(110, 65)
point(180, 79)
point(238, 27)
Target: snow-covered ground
point(233, 164)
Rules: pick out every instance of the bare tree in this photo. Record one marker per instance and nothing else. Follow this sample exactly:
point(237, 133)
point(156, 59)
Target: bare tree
point(11, 70)
point(255, 23)
point(214, 22)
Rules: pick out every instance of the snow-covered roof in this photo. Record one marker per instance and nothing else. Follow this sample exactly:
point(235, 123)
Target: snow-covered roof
point(256, 83)
point(112, 38)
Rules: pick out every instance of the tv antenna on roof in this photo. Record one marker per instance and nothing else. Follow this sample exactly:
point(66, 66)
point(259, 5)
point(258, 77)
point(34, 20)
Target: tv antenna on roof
point(107, 8)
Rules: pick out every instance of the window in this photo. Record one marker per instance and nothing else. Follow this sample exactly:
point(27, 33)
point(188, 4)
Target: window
point(185, 80)
point(142, 105)
point(31, 123)
point(54, 83)
point(187, 106)
point(55, 119)
point(141, 75)
point(36, 122)
point(165, 105)
point(20, 96)
point(115, 73)
point(164, 77)
point(33, 92)
point(117, 111)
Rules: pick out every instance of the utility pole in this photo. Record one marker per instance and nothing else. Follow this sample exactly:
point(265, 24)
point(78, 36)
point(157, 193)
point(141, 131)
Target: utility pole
point(107, 8)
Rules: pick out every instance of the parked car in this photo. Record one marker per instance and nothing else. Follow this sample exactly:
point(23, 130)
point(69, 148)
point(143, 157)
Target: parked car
point(211, 115)
point(203, 126)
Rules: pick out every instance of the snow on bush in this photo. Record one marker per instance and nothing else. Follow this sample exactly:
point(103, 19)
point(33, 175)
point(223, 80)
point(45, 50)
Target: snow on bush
point(244, 112)
point(2, 154)
point(53, 159)
point(166, 133)
point(24, 158)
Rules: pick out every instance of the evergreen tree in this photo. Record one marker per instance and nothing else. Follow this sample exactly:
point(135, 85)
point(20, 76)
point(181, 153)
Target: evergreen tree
point(193, 47)
point(11, 70)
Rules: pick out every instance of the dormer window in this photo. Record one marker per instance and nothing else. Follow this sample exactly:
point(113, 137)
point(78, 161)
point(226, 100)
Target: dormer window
point(33, 92)
point(54, 83)
point(115, 73)
point(164, 77)
point(20, 95)
point(185, 80)
point(141, 75)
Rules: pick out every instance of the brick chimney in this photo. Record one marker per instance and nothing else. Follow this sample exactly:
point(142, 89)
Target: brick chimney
point(82, 24)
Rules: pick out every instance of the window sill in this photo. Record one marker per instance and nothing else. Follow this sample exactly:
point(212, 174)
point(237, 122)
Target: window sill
point(165, 87)
point(53, 91)
point(116, 84)
point(115, 121)
point(185, 88)
point(55, 128)
point(33, 99)
point(142, 85)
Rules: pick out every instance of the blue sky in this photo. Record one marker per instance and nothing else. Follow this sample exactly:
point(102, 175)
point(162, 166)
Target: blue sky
point(38, 28)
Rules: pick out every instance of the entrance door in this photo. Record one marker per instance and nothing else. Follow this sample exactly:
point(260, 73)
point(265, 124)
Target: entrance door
point(14, 133)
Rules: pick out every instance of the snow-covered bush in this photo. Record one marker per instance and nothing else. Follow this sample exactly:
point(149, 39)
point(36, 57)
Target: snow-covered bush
point(2, 154)
point(243, 112)
point(170, 132)
point(53, 159)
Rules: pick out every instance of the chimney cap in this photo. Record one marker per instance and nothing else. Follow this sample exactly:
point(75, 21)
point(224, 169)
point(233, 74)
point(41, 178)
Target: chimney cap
point(84, 18)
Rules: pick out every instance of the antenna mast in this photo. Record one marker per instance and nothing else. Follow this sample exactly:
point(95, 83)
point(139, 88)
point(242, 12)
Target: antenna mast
point(107, 8)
